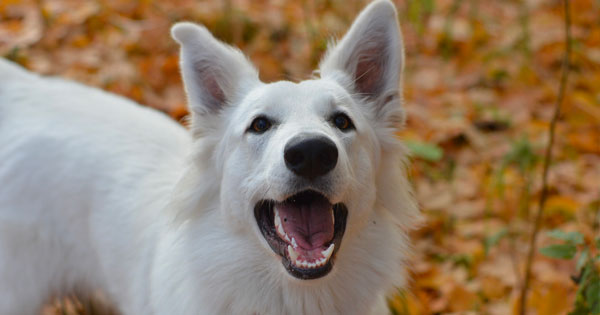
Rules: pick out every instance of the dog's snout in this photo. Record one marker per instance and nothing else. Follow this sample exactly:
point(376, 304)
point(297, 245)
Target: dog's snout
point(310, 157)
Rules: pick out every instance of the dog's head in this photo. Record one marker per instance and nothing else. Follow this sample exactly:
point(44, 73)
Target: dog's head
point(296, 164)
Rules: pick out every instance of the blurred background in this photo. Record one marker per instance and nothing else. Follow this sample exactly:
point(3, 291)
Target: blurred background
point(481, 81)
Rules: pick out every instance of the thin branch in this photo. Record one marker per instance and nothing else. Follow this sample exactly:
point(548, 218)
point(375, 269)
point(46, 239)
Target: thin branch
point(547, 160)
point(514, 259)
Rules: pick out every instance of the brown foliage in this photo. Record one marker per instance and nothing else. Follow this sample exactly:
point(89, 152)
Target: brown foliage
point(481, 80)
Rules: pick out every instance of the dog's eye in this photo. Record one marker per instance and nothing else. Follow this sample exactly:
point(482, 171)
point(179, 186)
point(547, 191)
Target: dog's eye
point(343, 122)
point(260, 125)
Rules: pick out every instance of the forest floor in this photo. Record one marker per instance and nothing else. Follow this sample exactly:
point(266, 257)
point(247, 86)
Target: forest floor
point(481, 81)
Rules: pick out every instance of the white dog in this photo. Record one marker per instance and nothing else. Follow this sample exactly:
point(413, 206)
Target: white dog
point(284, 198)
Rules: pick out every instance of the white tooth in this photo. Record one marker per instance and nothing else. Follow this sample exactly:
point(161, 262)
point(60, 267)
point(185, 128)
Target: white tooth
point(292, 253)
point(294, 243)
point(327, 253)
point(278, 223)
point(332, 217)
point(312, 265)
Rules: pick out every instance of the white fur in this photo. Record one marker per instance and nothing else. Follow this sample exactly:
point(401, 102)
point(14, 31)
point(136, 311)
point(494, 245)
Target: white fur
point(97, 192)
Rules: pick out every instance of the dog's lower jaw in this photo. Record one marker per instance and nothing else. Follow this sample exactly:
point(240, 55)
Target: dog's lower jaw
point(236, 275)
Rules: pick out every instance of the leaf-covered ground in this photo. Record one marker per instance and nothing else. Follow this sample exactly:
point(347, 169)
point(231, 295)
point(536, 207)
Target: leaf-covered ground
point(481, 81)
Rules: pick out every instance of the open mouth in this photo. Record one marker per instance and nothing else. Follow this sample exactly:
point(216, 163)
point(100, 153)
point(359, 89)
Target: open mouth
point(306, 230)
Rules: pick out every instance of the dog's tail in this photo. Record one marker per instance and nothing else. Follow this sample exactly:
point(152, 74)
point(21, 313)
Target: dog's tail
point(10, 71)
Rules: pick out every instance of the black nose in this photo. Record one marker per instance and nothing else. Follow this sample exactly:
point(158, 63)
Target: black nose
point(310, 157)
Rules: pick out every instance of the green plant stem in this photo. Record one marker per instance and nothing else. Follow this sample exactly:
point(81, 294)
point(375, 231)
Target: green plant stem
point(547, 161)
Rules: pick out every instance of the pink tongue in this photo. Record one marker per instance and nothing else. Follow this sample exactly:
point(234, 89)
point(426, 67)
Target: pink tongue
point(310, 224)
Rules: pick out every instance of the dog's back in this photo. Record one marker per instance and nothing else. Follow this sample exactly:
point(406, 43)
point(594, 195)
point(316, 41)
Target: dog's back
point(70, 154)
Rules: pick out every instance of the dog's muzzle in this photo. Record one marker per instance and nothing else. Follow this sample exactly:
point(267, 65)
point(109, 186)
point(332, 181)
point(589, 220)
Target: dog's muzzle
point(305, 229)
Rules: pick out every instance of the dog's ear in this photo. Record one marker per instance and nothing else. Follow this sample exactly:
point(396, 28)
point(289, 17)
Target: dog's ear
point(214, 73)
point(369, 60)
